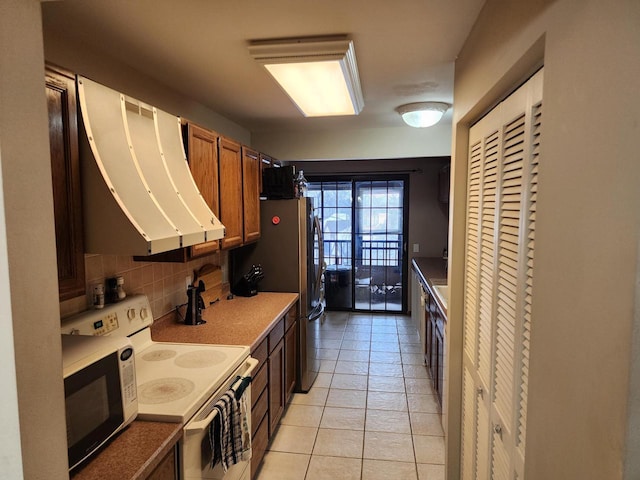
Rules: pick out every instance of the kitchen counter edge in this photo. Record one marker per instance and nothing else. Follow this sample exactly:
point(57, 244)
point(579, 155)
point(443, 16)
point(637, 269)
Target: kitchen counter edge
point(431, 271)
point(134, 453)
point(240, 321)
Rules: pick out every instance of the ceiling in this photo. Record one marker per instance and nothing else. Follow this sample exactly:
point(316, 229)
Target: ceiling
point(405, 50)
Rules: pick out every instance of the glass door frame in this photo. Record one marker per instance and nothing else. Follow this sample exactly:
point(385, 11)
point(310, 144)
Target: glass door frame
point(353, 179)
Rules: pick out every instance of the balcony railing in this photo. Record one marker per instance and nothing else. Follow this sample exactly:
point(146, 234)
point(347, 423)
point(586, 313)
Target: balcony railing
point(370, 251)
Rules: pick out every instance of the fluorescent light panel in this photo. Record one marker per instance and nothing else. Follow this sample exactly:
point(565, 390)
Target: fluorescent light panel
point(319, 75)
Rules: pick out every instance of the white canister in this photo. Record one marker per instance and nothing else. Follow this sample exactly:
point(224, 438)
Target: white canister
point(98, 295)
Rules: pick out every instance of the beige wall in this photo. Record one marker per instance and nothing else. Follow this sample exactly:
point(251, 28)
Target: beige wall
point(428, 218)
point(587, 228)
point(372, 143)
point(114, 74)
point(30, 301)
point(162, 282)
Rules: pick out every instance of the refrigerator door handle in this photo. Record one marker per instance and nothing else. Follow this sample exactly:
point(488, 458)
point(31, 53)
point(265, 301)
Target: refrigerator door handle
point(318, 229)
point(316, 313)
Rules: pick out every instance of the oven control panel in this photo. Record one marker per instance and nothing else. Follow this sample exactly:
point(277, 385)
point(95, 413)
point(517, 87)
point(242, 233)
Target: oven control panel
point(118, 319)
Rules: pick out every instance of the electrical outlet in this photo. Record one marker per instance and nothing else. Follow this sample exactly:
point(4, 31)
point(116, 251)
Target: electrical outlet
point(416, 248)
point(188, 281)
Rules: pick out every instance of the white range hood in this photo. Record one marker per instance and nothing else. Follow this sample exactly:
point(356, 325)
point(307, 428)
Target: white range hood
point(139, 197)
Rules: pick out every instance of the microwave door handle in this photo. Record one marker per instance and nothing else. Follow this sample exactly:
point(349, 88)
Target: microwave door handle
point(200, 425)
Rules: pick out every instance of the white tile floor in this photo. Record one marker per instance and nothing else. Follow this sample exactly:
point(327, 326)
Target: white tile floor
point(371, 413)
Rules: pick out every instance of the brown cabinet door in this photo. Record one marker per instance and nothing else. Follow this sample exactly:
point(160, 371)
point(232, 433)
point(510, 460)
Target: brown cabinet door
point(230, 158)
point(166, 470)
point(251, 194)
point(259, 443)
point(276, 386)
point(428, 330)
point(438, 381)
point(259, 410)
point(290, 352)
point(433, 353)
point(202, 153)
point(65, 175)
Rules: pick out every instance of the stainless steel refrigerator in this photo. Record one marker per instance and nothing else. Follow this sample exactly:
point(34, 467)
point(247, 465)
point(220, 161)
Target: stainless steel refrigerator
point(290, 255)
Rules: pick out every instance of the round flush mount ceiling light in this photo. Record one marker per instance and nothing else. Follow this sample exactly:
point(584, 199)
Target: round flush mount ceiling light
point(422, 114)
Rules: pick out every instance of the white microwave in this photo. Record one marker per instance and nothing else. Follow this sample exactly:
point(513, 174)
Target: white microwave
point(99, 389)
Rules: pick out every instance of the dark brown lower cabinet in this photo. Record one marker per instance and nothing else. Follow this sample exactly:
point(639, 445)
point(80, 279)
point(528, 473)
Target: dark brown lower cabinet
point(290, 349)
point(428, 331)
point(273, 383)
point(260, 405)
point(439, 347)
point(259, 443)
point(434, 351)
point(276, 386)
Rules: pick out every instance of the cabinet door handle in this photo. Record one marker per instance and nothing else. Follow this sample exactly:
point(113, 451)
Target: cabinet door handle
point(497, 429)
point(480, 391)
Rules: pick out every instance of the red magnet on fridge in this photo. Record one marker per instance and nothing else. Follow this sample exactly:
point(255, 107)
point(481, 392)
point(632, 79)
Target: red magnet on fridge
point(275, 219)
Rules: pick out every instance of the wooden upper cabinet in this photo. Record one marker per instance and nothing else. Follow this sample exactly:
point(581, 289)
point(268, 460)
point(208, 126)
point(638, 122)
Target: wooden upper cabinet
point(251, 194)
point(65, 175)
point(202, 153)
point(231, 215)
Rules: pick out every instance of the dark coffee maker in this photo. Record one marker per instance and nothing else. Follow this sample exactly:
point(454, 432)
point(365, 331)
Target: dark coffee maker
point(195, 305)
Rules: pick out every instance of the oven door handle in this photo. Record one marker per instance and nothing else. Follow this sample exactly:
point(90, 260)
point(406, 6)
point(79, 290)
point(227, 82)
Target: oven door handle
point(200, 425)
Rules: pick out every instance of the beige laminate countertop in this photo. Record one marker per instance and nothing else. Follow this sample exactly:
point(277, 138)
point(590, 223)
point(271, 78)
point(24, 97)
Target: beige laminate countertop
point(134, 453)
point(240, 321)
point(432, 272)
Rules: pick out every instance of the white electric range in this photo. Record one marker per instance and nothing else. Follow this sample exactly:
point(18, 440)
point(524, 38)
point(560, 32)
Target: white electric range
point(176, 382)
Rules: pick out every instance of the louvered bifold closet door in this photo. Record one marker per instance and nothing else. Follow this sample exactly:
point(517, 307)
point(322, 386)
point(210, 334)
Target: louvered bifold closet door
point(472, 254)
point(479, 285)
point(502, 188)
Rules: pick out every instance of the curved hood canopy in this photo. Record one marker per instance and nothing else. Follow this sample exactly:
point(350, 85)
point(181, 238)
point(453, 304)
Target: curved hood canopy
point(139, 197)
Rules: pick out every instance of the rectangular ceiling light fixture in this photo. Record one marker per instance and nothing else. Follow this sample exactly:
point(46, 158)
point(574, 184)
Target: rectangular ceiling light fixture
point(319, 74)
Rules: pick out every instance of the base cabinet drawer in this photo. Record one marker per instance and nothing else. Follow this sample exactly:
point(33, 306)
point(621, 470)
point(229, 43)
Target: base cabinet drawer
point(259, 384)
point(261, 352)
point(259, 411)
point(276, 334)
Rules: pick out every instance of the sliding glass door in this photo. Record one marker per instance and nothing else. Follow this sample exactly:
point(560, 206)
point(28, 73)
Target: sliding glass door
point(364, 223)
point(379, 241)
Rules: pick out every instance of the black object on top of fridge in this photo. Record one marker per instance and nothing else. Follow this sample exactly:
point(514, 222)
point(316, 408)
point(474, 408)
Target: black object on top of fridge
point(291, 258)
point(278, 182)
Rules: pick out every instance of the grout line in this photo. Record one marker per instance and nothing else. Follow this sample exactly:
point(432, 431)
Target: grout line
point(367, 390)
